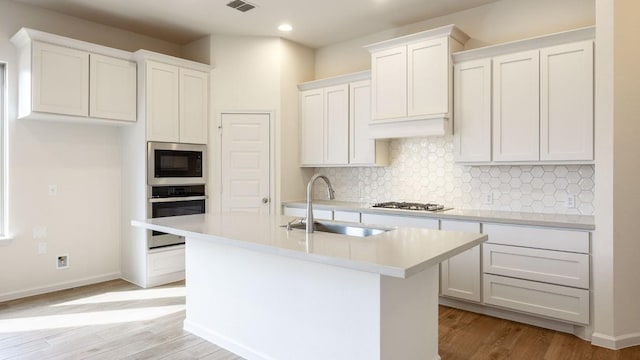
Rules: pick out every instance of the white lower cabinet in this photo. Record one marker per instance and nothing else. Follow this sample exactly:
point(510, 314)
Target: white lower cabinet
point(165, 266)
point(554, 301)
point(395, 220)
point(540, 271)
point(460, 275)
point(302, 213)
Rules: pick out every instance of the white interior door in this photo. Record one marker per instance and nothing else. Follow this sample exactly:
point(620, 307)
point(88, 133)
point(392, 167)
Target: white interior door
point(245, 162)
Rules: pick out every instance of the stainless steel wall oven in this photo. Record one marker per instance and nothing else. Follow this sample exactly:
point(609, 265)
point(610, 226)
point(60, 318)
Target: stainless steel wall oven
point(174, 201)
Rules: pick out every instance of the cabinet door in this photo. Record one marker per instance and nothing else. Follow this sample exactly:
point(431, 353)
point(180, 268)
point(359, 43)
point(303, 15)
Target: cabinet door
point(113, 92)
point(362, 149)
point(389, 83)
point(516, 111)
point(194, 106)
point(162, 102)
point(312, 127)
point(566, 102)
point(460, 275)
point(472, 111)
point(336, 125)
point(60, 79)
point(428, 77)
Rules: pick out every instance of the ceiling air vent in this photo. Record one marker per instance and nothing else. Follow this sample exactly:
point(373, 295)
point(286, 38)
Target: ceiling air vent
point(241, 5)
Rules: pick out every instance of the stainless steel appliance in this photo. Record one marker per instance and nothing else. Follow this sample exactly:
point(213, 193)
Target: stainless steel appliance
point(176, 164)
point(411, 206)
point(174, 201)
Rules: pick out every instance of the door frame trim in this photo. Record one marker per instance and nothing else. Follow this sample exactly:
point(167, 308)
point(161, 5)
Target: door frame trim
point(215, 169)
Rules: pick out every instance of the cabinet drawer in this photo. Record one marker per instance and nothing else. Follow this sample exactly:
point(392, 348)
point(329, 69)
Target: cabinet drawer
point(302, 213)
point(540, 238)
point(347, 216)
point(555, 267)
point(165, 262)
point(393, 220)
point(548, 300)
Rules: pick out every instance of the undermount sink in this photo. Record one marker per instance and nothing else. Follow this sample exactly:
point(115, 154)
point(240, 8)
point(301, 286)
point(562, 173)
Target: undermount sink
point(342, 229)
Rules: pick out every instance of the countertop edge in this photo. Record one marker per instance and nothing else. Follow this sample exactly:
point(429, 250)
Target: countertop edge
point(488, 216)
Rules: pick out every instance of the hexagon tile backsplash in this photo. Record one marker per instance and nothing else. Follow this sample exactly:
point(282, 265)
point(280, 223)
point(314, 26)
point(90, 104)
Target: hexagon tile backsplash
point(423, 170)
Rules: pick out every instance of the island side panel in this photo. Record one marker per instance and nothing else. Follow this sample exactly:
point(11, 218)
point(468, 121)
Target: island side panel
point(409, 316)
point(263, 306)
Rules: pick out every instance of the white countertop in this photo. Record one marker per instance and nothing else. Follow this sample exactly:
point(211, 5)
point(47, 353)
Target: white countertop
point(400, 252)
point(576, 222)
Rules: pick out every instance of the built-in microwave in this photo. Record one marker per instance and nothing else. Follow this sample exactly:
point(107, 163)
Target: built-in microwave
point(176, 164)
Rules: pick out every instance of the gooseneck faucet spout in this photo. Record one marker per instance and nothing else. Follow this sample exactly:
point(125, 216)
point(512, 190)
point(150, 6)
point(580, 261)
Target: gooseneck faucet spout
point(330, 193)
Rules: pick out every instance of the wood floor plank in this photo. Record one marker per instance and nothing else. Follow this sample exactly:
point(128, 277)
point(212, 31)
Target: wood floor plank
point(107, 324)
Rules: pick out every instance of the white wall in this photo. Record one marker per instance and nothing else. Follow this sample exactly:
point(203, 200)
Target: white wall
point(616, 270)
point(498, 22)
point(83, 220)
point(260, 74)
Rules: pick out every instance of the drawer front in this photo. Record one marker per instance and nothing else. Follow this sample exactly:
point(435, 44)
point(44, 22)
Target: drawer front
point(548, 300)
point(555, 267)
point(394, 220)
point(540, 238)
point(347, 216)
point(165, 262)
point(302, 213)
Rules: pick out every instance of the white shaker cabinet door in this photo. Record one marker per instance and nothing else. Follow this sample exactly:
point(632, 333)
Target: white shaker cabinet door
point(162, 102)
point(336, 125)
point(428, 77)
point(460, 275)
point(362, 149)
point(312, 127)
point(566, 102)
point(60, 80)
point(516, 110)
point(472, 111)
point(194, 106)
point(389, 83)
point(113, 86)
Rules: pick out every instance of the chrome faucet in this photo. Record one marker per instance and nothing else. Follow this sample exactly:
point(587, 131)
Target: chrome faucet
point(330, 192)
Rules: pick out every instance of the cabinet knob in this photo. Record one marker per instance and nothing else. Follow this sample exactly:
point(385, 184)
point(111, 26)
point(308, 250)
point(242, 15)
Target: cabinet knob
point(265, 200)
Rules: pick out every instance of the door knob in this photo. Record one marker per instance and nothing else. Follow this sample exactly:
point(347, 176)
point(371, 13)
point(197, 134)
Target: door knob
point(265, 200)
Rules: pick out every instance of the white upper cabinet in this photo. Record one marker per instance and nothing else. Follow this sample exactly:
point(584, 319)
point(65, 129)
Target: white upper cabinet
point(60, 80)
point(71, 80)
point(539, 100)
point(113, 88)
point(472, 109)
point(312, 127)
point(516, 107)
point(566, 102)
point(176, 98)
point(428, 69)
point(411, 83)
point(389, 86)
point(162, 102)
point(334, 120)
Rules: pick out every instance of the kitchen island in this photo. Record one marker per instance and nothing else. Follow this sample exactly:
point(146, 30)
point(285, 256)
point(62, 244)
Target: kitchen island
point(265, 292)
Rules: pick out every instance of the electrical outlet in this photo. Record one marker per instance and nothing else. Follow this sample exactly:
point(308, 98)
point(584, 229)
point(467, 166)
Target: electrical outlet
point(42, 248)
point(487, 199)
point(62, 261)
point(570, 202)
point(53, 190)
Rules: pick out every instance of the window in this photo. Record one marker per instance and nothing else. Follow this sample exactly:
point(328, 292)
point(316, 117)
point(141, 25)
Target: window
point(3, 154)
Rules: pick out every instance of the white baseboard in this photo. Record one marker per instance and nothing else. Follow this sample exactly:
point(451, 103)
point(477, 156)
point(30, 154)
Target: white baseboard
point(59, 286)
point(224, 342)
point(616, 342)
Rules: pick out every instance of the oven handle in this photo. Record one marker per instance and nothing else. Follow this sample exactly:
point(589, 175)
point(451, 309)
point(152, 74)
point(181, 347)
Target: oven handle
point(174, 199)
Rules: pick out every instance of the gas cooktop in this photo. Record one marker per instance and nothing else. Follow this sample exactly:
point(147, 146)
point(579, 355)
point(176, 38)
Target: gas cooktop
point(411, 206)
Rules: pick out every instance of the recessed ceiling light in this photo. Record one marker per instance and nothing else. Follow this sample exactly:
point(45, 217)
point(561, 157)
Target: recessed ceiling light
point(285, 27)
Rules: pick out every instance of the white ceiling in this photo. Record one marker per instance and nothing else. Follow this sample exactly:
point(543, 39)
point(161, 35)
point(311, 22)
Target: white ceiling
point(316, 22)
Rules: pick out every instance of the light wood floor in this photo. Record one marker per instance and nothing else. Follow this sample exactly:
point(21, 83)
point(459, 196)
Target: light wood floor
point(117, 320)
